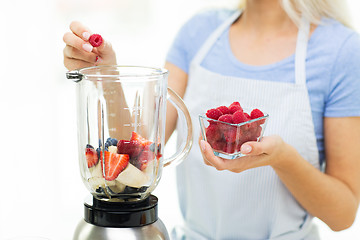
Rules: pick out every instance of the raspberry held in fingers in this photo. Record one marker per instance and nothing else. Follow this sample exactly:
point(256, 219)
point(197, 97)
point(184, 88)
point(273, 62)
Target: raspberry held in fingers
point(96, 40)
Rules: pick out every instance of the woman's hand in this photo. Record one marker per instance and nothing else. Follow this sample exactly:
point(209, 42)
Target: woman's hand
point(269, 151)
point(78, 52)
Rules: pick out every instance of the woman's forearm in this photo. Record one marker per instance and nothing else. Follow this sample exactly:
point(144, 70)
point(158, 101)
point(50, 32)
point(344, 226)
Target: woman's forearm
point(322, 195)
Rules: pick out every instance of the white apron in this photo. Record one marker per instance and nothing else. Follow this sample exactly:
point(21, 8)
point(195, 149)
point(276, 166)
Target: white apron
point(253, 204)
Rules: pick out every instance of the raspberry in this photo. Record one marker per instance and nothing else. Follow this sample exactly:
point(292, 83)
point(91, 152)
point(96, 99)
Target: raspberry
point(239, 117)
point(226, 118)
point(214, 113)
point(247, 116)
point(230, 135)
point(229, 148)
point(95, 40)
point(256, 113)
point(235, 106)
point(224, 109)
point(218, 145)
point(213, 133)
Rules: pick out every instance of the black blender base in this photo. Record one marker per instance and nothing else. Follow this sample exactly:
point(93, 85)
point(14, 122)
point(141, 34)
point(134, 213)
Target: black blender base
point(121, 220)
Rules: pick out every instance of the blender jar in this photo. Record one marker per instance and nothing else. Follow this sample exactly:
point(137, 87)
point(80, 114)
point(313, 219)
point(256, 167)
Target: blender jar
point(121, 113)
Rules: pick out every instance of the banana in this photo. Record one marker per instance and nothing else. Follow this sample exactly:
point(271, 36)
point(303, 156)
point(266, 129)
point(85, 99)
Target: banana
point(112, 149)
point(132, 177)
point(96, 182)
point(96, 170)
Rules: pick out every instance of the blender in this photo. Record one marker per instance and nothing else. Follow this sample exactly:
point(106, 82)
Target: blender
point(121, 113)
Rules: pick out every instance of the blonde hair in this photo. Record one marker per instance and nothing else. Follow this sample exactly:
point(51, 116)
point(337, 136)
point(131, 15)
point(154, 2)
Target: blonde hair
point(314, 10)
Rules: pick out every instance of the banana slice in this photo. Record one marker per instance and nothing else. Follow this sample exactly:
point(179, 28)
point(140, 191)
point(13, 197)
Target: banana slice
point(150, 168)
point(96, 182)
point(96, 170)
point(132, 177)
point(119, 187)
point(112, 149)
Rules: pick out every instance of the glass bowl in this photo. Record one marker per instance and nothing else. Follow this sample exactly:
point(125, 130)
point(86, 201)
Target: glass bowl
point(226, 138)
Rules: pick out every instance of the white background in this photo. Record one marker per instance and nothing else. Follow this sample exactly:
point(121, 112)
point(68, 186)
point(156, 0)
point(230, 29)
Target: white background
point(42, 193)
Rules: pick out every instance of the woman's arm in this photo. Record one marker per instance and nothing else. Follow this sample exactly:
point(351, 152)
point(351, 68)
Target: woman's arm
point(177, 81)
point(332, 196)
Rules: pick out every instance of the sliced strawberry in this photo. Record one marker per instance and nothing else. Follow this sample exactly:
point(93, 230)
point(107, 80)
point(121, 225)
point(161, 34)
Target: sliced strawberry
point(114, 164)
point(91, 157)
point(140, 140)
point(133, 148)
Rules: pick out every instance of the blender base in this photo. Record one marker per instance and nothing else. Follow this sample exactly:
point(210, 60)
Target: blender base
point(115, 221)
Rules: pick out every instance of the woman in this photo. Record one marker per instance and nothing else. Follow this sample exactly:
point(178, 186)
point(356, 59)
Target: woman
point(294, 60)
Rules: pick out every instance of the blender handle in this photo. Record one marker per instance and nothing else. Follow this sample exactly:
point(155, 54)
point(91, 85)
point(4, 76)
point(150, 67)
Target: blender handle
point(181, 108)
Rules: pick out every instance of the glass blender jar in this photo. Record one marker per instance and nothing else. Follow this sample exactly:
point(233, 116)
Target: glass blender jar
point(121, 114)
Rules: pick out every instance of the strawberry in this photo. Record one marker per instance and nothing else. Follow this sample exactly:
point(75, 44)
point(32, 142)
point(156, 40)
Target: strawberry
point(132, 148)
point(145, 157)
point(137, 139)
point(214, 113)
point(91, 157)
point(114, 164)
point(223, 109)
point(95, 40)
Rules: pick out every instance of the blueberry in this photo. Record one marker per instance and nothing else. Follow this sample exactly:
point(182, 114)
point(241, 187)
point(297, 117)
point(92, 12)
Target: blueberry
point(89, 146)
point(106, 145)
point(114, 141)
point(100, 143)
point(152, 147)
point(98, 150)
point(108, 140)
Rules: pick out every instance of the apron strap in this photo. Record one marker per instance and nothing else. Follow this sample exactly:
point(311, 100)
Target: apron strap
point(213, 37)
point(301, 51)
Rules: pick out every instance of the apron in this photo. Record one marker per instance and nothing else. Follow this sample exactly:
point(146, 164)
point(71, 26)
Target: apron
point(253, 204)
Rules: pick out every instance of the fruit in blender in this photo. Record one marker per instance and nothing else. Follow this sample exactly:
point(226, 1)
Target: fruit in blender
point(127, 163)
point(114, 164)
point(91, 156)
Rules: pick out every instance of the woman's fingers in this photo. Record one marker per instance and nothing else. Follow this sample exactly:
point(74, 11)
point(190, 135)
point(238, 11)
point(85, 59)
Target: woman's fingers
point(74, 41)
point(209, 157)
point(72, 64)
point(80, 30)
point(73, 53)
point(267, 145)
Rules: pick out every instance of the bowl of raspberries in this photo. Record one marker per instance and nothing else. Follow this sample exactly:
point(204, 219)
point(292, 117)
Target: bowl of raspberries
point(226, 128)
